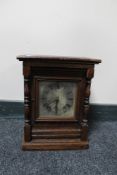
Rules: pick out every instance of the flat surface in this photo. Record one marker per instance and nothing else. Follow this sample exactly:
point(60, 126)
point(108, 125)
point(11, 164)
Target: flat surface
point(51, 57)
point(99, 159)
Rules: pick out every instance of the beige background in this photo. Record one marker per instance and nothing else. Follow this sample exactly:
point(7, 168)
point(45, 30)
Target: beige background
point(59, 27)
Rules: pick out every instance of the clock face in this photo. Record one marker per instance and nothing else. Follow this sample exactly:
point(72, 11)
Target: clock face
point(57, 98)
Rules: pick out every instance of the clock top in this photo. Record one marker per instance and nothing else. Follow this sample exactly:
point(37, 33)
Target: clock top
point(58, 58)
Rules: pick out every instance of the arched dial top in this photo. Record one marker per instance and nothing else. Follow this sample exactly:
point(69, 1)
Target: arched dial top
point(57, 98)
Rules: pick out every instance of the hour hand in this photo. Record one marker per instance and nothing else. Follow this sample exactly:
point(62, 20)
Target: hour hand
point(47, 106)
point(66, 107)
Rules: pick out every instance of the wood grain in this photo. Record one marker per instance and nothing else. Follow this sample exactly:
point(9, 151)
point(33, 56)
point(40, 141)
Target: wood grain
point(56, 133)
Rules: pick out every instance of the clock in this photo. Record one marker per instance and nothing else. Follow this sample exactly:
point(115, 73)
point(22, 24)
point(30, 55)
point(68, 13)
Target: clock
point(56, 101)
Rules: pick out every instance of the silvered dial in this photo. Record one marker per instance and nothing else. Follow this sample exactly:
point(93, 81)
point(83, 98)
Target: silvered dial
point(57, 98)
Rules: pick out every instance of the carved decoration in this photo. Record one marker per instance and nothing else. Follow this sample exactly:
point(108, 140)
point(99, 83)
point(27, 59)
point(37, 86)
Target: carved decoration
point(27, 127)
point(84, 123)
point(90, 73)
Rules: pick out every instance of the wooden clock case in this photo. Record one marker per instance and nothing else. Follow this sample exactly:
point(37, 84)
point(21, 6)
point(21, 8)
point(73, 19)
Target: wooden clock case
point(56, 133)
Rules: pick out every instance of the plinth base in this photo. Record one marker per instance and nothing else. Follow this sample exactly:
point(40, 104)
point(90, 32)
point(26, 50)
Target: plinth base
point(55, 144)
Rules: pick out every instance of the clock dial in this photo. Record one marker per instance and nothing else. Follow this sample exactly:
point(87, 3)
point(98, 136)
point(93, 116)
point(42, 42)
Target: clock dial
point(57, 98)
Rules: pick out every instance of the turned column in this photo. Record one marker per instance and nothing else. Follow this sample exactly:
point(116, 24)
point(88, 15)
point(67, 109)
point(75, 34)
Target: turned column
point(84, 122)
point(27, 120)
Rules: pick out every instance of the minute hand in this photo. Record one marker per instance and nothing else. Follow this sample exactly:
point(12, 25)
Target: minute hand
point(56, 106)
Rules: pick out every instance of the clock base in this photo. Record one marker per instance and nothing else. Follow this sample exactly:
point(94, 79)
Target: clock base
point(55, 144)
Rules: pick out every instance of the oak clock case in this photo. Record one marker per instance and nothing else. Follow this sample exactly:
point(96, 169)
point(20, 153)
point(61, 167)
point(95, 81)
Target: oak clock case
point(56, 102)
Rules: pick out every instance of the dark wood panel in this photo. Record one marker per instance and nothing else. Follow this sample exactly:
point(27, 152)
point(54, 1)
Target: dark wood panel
point(58, 72)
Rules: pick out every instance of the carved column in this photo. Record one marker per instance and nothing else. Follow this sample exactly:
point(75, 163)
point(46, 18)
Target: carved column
point(84, 123)
point(27, 125)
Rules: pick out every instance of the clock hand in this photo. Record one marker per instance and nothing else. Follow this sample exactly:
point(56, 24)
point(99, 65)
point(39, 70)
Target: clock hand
point(56, 107)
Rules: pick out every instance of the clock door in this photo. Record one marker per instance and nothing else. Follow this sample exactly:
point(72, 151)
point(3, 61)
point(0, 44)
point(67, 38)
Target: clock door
point(57, 99)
